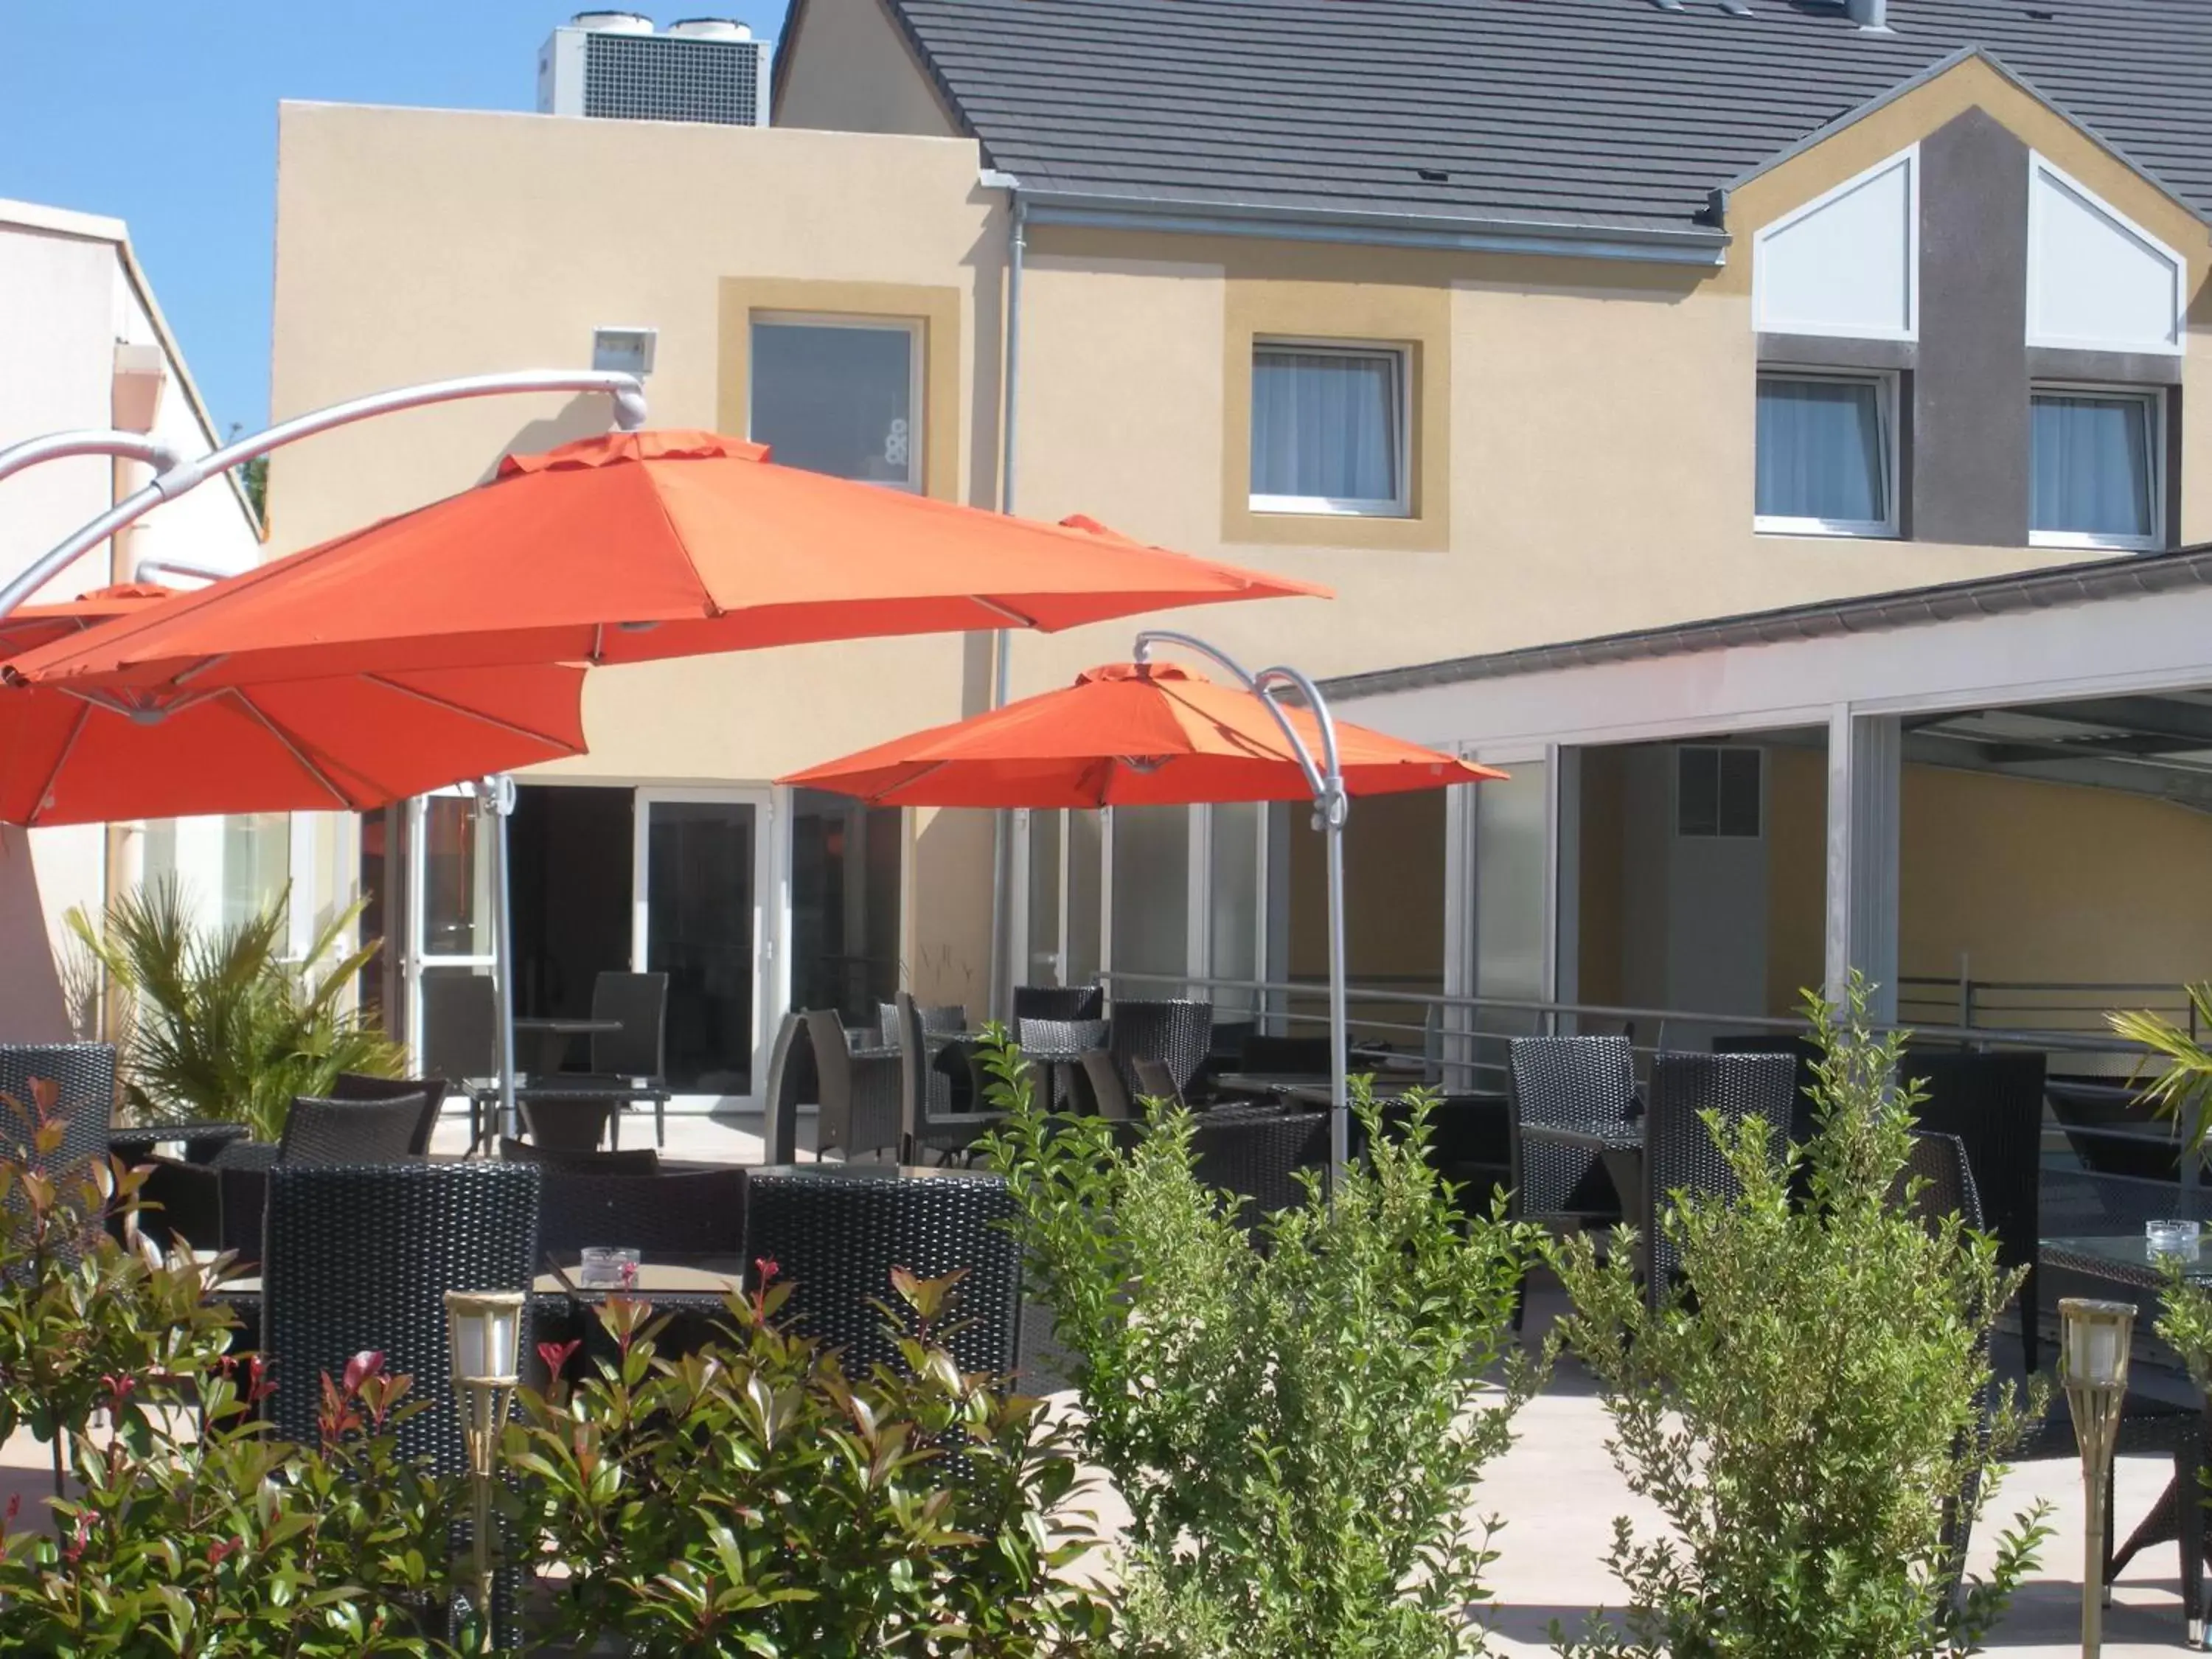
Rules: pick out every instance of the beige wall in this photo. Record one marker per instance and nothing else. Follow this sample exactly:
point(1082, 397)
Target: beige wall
point(845, 68)
point(415, 244)
point(2047, 881)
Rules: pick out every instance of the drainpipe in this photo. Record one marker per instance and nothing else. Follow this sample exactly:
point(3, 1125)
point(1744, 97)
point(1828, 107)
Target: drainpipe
point(1003, 953)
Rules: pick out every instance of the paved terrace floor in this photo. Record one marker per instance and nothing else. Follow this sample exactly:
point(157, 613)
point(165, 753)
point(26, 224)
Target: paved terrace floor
point(1557, 1491)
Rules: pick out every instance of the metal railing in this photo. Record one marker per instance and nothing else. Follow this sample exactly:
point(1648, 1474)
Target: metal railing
point(1999, 1005)
point(1463, 1041)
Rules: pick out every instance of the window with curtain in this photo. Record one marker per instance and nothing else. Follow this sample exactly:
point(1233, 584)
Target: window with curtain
point(1824, 457)
point(839, 396)
point(2092, 470)
point(1329, 429)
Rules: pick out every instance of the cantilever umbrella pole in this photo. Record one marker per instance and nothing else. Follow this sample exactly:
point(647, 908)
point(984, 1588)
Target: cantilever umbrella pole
point(1325, 778)
point(177, 478)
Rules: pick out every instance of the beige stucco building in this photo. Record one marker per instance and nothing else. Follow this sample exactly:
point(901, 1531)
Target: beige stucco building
point(1563, 412)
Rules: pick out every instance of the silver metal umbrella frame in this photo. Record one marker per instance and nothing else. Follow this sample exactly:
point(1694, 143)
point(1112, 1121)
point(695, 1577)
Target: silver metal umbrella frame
point(1324, 775)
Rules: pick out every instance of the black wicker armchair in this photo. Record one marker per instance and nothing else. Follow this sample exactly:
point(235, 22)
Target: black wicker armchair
point(790, 1081)
point(83, 1074)
point(352, 1130)
point(860, 1091)
point(1584, 1086)
point(360, 1257)
point(1058, 1002)
point(664, 1212)
point(926, 1125)
point(1680, 1153)
point(835, 1233)
point(1256, 1152)
point(1175, 1033)
point(357, 1085)
point(1994, 1103)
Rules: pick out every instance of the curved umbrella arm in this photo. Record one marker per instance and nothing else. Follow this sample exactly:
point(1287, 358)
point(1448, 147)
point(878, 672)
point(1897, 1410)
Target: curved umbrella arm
point(60, 445)
point(1325, 774)
point(1325, 777)
point(627, 391)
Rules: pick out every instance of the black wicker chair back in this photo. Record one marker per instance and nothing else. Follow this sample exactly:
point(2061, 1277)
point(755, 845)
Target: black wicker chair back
point(790, 1080)
point(1803, 1049)
point(1176, 1033)
point(639, 1047)
point(1256, 1152)
point(1584, 1082)
point(460, 1026)
point(1108, 1098)
point(83, 1074)
point(926, 1123)
point(350, 1130)
point(357, 1085)
point(859, 1103)
point(1680, 1155)
point(672, 1213)
point(1061, 1037)
point(1058, 1002)
point(837, 1233)
point(1470, 1142)
point(1994, 1103)
point(1288, 1055)
point(1940, 1165)
point(625, 1161)
point(361, 1257)
point(935, 1017)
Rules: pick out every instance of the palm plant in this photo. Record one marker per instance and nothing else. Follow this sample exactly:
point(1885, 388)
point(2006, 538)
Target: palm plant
point(2183, 1087)
point(222, 1026)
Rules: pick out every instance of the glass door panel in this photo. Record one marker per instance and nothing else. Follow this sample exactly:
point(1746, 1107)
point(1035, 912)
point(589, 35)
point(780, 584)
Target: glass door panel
point(701, 867)
point(447, 893)
point(1233, 925)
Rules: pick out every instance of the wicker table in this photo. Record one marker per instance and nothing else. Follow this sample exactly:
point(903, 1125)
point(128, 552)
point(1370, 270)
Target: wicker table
point(202, 1137)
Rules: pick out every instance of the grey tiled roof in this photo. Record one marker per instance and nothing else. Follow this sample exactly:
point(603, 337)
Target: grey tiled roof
point(1597, 112)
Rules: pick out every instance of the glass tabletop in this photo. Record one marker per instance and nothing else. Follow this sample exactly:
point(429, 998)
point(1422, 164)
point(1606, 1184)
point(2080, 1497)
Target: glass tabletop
point(2123, 1257)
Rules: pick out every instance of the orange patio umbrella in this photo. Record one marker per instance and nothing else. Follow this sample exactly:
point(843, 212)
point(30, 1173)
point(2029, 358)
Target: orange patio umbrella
point(1151, 733)
point(1127, 734)
point(335, 744)
point(626, 548)
point(631, 547)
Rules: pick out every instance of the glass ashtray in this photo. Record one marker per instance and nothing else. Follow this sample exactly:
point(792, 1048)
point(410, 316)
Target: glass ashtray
point(608, 1267)
point(2182, 1239)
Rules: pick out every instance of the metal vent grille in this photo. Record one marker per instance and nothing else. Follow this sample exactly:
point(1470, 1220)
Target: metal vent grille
point(668, 78)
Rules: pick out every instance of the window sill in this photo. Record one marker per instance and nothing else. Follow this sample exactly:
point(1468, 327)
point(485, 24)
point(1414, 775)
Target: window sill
point(1833, 530)
point(2082, 542)
point(1322, 507)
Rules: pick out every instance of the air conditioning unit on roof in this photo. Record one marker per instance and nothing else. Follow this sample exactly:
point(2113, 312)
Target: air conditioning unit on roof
point(613, 65)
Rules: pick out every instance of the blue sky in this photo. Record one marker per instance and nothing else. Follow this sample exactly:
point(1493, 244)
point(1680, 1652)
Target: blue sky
point(164, 114)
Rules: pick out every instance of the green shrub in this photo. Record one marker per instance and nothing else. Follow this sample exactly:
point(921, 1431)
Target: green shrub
point(1807, 1422)
point(753, 1499)
point(192, 1531)
point(1295, 1417)
point(221, 1025)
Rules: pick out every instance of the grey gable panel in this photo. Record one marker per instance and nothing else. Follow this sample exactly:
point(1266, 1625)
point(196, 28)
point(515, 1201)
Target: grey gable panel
point(1598, 111)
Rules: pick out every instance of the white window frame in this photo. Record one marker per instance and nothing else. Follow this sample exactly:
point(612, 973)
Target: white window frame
point(1400, 505)
point(1885, 382)
point(2154, 399)
point(918, 344)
